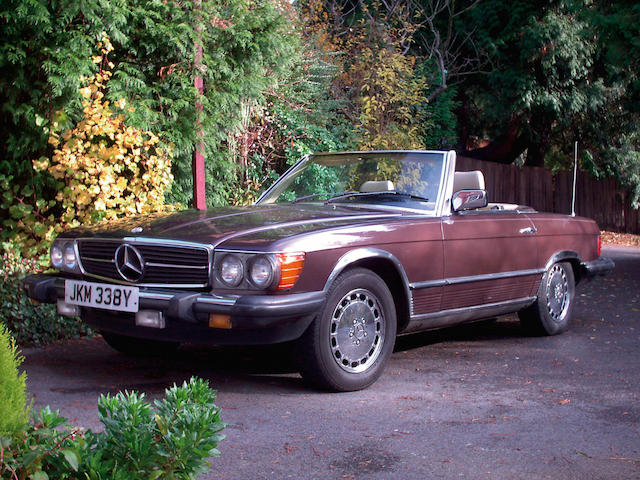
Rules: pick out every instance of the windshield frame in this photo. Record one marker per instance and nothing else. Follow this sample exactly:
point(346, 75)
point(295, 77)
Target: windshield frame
point(448, 165)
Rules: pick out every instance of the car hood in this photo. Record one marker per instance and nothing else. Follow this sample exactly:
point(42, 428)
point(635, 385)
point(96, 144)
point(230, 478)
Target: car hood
point(217, 225)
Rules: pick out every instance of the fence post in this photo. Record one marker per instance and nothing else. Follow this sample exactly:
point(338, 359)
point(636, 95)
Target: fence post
point(197, 165)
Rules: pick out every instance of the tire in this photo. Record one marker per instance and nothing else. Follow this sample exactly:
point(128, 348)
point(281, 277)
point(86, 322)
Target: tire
point(552, 311)
point(138, 347)
point(348, 344)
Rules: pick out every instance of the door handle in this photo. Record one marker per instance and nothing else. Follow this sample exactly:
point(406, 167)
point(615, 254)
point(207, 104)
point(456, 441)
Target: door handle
point(528, 230)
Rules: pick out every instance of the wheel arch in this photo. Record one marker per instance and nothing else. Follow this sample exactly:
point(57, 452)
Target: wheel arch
point(386, 266)
point(571, 257)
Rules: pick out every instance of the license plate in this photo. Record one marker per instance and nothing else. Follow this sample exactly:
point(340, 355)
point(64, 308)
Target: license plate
point(101, 295)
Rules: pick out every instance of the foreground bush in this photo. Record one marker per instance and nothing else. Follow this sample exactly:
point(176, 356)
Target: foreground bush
point(170, 439)
point(30, 324)
point(13, 411)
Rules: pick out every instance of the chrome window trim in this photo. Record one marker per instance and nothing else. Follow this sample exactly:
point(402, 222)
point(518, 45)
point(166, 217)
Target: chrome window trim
point(446, 190)
point(475, 278)
point(291, 169)
point(448, 165)
point(392, 208)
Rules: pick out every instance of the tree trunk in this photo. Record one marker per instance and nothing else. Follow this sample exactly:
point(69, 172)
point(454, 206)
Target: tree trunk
point(462, 114)
point(504, 149)
point(538, 148)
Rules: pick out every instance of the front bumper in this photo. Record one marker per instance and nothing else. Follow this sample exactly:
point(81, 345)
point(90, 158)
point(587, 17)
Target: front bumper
point(599, 266)
point(254, 319)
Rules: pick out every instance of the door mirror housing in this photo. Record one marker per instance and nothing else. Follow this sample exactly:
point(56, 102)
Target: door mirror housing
point(469, 200)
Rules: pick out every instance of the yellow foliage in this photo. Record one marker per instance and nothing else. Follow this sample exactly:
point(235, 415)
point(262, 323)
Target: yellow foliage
point(390, 92)
point(105, 169)
point(377, 75)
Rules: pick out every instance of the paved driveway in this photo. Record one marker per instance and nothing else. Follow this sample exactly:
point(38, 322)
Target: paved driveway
point(479, 401)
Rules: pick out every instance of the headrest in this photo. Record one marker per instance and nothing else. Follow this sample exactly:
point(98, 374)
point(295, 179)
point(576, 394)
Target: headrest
point(377, 186)
point(468, 181)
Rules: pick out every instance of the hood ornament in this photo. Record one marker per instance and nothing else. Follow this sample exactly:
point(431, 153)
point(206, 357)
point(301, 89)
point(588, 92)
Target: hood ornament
point(137, 230)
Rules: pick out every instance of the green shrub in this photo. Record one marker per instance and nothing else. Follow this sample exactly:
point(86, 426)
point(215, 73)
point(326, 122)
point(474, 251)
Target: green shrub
point(14, 413)
point(30, 324)
point(45, 450)
point(170, 439)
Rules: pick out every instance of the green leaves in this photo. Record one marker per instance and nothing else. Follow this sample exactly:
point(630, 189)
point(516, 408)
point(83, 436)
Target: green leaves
point(170, 440)
point(47, 54)
point(29, 323)
point(13, 407)
point(44, 450)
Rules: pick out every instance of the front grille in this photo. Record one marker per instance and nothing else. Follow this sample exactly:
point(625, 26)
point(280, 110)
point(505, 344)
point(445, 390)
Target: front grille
point(186, 266)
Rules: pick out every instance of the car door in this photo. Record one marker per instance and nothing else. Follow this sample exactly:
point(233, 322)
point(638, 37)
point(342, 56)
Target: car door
point(489, 259)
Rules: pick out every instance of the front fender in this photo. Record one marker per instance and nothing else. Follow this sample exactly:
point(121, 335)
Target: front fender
point(356, 256)
point(389, 268)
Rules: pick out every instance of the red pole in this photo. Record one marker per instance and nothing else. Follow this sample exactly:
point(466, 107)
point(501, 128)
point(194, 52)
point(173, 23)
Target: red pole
point(197, 165)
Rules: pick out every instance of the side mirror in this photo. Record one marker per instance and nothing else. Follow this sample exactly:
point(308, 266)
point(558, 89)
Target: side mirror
point(469, 200)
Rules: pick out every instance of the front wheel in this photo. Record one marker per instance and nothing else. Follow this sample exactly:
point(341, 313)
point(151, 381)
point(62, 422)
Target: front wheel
point(349, 343)
point(552, 311)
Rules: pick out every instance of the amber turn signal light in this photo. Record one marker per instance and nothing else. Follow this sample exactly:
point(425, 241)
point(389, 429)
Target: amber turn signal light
point(290, 269)
point(219, 321)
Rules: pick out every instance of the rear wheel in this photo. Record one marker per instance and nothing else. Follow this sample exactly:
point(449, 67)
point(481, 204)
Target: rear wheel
point(552, 311)
point(349, 343)
point(138, 347)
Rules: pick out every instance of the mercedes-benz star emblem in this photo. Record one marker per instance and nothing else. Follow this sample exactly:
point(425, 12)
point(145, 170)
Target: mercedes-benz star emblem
point(129, 262)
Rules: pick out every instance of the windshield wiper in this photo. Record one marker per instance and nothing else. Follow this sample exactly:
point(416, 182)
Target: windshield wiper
point(313, 195)
point(411, 196)
point(386, 192)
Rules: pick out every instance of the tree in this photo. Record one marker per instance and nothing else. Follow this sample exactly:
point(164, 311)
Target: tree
point(379, 84)
point(46, 55)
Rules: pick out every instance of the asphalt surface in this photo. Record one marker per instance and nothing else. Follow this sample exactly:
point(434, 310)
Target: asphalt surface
point(480, 401)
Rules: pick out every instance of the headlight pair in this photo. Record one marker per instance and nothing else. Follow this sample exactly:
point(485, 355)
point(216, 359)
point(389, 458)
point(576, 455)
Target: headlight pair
point(275, 271)
point(63, 256)
point(260, 270)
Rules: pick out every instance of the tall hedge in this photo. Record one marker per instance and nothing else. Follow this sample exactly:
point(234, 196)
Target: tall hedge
point(47, 55)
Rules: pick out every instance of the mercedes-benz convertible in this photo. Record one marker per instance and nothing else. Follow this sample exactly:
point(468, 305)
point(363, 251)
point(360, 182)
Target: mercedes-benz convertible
point(342, 254)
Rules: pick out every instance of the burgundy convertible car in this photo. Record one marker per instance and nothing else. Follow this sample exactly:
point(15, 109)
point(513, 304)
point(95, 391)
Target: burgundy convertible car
point(344, 252)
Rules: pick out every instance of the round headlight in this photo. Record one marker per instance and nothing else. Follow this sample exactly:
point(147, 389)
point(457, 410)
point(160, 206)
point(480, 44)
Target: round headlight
point(56, 256)
point(69, 257)
point(231, 270)
point(262, 272)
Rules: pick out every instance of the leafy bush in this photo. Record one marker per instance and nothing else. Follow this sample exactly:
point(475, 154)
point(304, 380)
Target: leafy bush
point(299, 118)
point(44, 450)
point(47, 53)
point(13, 411)
point(101, 168)
point(30, 324)
point(170, 440)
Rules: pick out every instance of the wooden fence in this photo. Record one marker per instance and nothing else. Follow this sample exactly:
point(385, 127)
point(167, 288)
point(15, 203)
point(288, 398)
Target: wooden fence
point(603, 200)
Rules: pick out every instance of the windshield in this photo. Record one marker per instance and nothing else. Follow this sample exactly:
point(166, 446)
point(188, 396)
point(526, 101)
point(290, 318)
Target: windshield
point(396, 179)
